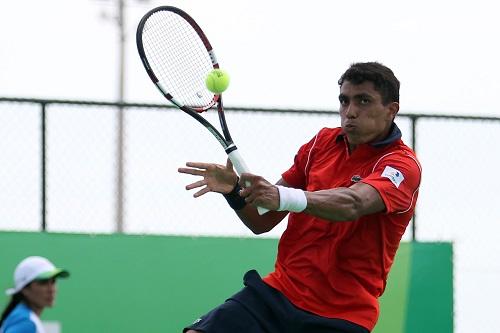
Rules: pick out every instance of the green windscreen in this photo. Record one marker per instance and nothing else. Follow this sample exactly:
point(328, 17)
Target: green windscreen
point(127, 283)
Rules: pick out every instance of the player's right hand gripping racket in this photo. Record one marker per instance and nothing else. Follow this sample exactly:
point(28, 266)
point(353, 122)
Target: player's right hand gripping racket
point(178, 57)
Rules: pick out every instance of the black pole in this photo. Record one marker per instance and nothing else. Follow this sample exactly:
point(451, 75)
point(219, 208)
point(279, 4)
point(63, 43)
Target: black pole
point(44, 168)
point(414, 147)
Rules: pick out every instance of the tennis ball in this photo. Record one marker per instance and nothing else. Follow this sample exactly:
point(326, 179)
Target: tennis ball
point(217, 81)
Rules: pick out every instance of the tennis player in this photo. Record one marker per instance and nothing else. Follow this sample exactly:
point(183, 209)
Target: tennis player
point(349, 197)
point(34, 290)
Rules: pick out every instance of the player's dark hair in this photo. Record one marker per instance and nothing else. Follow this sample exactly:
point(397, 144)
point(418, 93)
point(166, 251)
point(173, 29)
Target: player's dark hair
point(14, 301)
point(382, 77)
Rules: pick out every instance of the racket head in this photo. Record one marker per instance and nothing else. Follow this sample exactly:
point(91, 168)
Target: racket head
point(178, 57)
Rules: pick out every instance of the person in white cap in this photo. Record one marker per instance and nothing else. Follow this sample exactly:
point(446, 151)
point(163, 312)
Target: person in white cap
point(34, 289)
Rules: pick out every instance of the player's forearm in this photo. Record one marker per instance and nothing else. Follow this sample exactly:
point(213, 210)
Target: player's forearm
point(249, 215)
point(340, 204)
point(259, 224)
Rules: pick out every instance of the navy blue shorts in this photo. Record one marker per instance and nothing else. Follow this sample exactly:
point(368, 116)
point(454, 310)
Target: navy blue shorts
point(259, 308)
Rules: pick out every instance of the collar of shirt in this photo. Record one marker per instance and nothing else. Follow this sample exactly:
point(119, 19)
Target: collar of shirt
point(394, 135)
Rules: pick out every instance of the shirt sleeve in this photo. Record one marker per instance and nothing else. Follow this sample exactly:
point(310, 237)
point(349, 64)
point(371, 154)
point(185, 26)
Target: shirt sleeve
point(397, 178)
point(23, 326)
point(296, 175)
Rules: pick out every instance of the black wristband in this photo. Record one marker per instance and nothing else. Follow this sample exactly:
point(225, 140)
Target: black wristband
point(234, 199)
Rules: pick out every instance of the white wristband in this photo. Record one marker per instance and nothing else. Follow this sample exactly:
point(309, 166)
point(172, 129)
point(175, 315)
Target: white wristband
point(291, 199)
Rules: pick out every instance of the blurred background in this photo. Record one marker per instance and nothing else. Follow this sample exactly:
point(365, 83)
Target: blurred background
point(73, 161)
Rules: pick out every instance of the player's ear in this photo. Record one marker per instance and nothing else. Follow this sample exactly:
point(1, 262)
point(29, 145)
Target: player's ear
point(393, 109)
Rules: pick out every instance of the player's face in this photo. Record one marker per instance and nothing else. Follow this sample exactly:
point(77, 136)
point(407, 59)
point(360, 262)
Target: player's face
point(364, 118)
point(41, 294)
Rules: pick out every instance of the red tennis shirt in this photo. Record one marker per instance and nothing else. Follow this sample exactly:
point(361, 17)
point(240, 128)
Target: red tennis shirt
point(339, 269)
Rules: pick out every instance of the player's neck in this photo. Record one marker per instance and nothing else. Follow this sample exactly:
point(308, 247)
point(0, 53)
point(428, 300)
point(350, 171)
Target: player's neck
point(352, 146)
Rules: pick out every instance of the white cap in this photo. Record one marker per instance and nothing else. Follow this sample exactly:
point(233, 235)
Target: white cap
point(34, 268)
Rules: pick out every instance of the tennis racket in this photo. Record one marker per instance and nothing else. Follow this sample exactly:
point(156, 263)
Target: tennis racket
point(178, 57)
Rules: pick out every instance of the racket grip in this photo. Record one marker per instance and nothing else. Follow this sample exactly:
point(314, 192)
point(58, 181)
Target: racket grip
point(241, 167)
point(262, 210)
point(238, 162)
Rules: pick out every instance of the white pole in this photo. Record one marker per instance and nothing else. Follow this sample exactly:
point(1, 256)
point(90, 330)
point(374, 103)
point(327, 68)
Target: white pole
point(120, 120)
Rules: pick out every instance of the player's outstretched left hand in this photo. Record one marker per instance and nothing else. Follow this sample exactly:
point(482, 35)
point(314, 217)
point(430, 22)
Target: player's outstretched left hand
point(216, 178)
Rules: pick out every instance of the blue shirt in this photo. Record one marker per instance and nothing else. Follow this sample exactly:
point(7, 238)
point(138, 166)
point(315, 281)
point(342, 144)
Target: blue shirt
point(22, 320)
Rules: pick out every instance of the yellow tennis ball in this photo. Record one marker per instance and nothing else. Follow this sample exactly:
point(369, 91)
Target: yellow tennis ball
point(217, 81)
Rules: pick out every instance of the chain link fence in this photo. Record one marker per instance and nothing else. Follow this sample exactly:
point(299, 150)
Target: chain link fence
point(59, 174)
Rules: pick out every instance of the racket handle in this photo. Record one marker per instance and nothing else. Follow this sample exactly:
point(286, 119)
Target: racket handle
point(262, 210)
point(238, 162)
point(241, 167)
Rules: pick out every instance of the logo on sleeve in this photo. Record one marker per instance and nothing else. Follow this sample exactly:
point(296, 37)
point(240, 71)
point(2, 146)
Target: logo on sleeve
point(394, 175)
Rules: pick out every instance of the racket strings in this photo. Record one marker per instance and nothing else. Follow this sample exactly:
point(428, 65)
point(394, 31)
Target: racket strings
point(171, 66)
point(173, 51)
point(178, 58)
